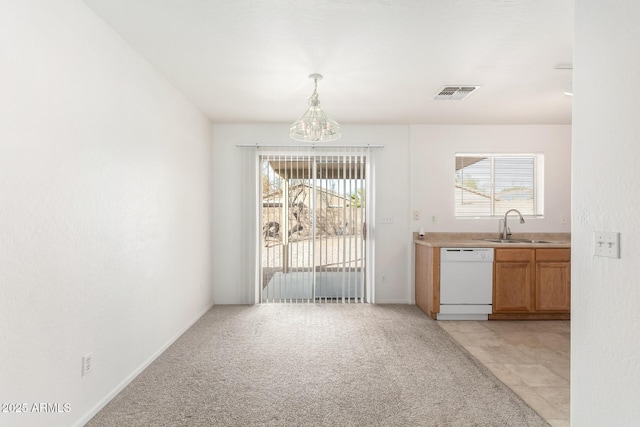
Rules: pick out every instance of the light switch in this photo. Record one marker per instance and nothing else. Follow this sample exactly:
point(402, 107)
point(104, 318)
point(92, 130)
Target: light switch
point(606, 244)
point(387, 220)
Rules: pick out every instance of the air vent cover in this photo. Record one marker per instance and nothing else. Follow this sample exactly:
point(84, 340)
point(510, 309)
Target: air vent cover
point(455, 93)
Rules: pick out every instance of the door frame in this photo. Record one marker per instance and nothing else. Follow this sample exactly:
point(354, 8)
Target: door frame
point(315, 151)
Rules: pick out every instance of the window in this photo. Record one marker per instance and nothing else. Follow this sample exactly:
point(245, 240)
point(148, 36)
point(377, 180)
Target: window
point(488, 185)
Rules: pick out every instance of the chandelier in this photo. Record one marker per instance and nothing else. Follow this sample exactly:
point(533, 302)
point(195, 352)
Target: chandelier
point(315, 125)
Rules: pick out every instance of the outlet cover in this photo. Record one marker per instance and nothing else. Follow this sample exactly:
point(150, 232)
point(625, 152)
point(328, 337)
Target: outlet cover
point(87, 364)
point(606, 244)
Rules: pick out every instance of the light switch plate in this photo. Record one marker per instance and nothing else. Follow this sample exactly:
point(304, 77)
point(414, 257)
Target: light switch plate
point(387, 220)
point(606, 244)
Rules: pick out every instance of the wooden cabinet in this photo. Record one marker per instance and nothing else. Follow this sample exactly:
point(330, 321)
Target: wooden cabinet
point(513, 280)
point(528, 282)
point(553, 280)
point(427, 280)
point(532, 283)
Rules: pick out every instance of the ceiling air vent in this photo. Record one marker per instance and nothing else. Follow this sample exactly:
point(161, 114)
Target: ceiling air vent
point(455, 93)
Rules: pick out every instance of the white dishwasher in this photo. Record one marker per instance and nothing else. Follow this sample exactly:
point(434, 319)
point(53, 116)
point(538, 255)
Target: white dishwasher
point(466, 283)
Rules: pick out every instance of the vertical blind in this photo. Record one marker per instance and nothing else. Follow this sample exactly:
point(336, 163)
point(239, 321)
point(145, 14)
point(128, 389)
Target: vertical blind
point(489, 185)
point(313, 213)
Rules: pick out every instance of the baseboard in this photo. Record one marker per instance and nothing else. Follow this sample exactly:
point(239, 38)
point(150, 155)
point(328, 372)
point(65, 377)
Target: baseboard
point(232, 302)
point(392, 301)
point(530, 316)
point(93, 411)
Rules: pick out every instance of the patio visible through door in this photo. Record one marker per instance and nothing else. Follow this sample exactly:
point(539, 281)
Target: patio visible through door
point(313, 221)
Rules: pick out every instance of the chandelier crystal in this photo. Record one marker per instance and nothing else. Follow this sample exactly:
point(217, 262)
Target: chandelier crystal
point(315, 125)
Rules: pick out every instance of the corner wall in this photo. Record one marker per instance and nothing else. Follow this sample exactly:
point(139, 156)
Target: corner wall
point(104, 213)
point(605, 336)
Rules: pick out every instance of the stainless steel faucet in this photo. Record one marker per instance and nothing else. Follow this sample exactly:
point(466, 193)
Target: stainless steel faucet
point(505, 231)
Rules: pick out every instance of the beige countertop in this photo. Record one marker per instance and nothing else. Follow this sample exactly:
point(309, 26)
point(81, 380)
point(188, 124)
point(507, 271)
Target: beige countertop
point(474, 240)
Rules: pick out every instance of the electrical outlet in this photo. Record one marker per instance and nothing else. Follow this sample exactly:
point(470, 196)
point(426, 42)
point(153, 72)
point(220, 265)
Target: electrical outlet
point(416, 215)
point(606, 244)
point(87, 364)
point(433, 219)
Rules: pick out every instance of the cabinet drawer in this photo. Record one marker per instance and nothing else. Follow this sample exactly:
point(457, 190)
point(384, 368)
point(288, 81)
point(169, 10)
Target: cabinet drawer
point(513, 254)
point(562, 254)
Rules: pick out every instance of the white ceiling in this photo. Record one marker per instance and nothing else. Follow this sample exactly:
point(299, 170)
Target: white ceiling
point(383, 61)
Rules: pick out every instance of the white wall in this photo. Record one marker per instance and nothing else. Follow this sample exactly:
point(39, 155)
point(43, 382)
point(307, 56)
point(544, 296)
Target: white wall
point(233, 228)
point(605, 335)
point(433, 148)
point(409, 175)
point(104, 210)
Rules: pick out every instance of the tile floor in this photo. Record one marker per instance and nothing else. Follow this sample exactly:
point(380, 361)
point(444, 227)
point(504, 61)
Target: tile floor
point(531, 357)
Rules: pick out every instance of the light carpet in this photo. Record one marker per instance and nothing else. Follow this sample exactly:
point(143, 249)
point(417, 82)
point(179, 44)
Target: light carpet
point(316, 365)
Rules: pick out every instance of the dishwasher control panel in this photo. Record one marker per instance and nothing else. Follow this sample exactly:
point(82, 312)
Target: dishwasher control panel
point(466, 254)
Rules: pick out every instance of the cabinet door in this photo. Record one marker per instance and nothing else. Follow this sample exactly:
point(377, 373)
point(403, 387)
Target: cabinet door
point(512, 287)
point(553, 286)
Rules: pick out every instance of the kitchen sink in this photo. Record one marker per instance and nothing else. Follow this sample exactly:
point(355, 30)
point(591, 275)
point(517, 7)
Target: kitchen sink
point(516, 241)
point(531, 241)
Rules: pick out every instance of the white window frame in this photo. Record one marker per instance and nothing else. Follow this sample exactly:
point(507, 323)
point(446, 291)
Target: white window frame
point(494, 211)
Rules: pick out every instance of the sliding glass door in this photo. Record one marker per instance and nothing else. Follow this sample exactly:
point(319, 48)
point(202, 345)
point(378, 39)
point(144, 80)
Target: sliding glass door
point(313, 216)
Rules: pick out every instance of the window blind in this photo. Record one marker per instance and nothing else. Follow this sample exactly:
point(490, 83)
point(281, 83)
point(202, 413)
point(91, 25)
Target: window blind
point(488, 185)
